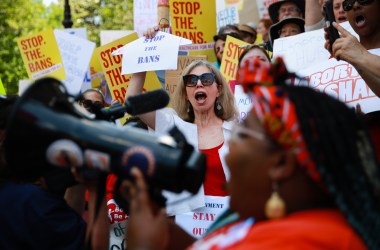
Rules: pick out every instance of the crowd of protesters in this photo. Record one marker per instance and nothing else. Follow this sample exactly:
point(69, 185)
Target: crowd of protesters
point(299, 172)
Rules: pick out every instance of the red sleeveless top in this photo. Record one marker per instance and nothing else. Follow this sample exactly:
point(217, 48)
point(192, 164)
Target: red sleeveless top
point(215, 180)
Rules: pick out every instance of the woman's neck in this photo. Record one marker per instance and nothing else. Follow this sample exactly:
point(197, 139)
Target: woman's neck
point(205, 119)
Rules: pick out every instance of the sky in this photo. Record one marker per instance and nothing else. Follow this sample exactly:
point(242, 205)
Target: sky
point(48, 2)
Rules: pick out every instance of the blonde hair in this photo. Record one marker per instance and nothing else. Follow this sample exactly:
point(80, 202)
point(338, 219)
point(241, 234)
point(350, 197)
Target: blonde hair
point(226, 97)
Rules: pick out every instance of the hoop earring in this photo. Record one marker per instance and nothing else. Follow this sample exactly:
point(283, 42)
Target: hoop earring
point(275, 207)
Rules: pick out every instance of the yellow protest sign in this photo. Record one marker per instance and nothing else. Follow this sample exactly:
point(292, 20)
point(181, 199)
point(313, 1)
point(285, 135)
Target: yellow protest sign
point(194, 20)
point(2, 89)
point(205, 49)
point(41, 55)
point(96, 71)
point(172, 76)
point(111, 67)
point(229, 65)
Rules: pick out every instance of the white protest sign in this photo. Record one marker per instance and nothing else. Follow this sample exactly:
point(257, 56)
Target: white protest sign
point(157, 53)
point(341, 80)
point(197, 222)
point(227, 16)
point(76, 54)
point(145, 15)
point(243, 102)
point(262, 6)
point(107, 36)
point(81, 32)
point(304, 50)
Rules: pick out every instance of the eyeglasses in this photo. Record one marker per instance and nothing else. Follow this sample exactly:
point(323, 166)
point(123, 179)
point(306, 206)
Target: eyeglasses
point(290, 32)
point(290, 10)
point(89, 103)
point(207, 79)
point(239, 132)
point(349, 4)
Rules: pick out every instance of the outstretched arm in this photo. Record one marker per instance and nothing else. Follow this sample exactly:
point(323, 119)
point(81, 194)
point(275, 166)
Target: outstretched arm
point(136, 85)
point(349, 49)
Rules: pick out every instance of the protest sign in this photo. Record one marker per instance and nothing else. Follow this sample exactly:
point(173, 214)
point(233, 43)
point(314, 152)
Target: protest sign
point(197, 222)
point(76, 53)
point(111, 66)
point(2, 89)
point(144, 15)
point(227, 16)
point(107, 36)
point(262, 6)
point(194, 20)
point(341, 80)
point(235, 3)
point(304, 50)
point(41, 55)
point(206, 49)
point(172, 76)
point(230, 59)
point(149, 54)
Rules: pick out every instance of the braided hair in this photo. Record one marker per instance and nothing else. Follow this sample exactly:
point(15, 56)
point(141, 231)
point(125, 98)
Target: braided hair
point(339, 143)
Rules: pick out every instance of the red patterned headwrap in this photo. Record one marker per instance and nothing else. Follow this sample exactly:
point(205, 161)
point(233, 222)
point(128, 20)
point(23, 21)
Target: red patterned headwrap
point(274, 109)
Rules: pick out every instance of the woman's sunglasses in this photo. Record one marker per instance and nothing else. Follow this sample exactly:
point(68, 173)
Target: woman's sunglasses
point(207, 79)
point(349, 4)
point(89, 103)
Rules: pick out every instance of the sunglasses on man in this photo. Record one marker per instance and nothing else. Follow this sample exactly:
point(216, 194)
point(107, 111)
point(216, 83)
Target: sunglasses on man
point(207, 79)
point(349, 4)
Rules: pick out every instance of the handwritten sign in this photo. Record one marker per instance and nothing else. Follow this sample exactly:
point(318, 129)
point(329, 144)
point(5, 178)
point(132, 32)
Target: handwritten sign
point(111, 66)
point(304, 50)
point(144, 15)
point(172, 76)
point(148, 54)
point(227, 16)
point(341, 80)
point(230, 59)
point(193, 19)
point(196, 223)
point(262, 6)
point(41, 55)
point(76, 53)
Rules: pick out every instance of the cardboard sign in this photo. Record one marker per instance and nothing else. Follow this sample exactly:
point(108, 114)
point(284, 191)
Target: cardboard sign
point(196, 223)
point(231, 54)
point(41, 55)
point(193, 19)
point(341, 80)
point(111, 66)
point(205, 49)
point(304, 50)
point(157, 53)
point(262, 6)
point(76, 53)
point(172, 76)
point(144, 15)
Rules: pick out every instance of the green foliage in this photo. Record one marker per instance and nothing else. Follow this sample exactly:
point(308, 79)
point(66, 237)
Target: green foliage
point(19, 18)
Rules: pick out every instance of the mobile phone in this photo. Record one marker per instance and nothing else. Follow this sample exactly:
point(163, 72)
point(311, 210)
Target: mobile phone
point(328, 13)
